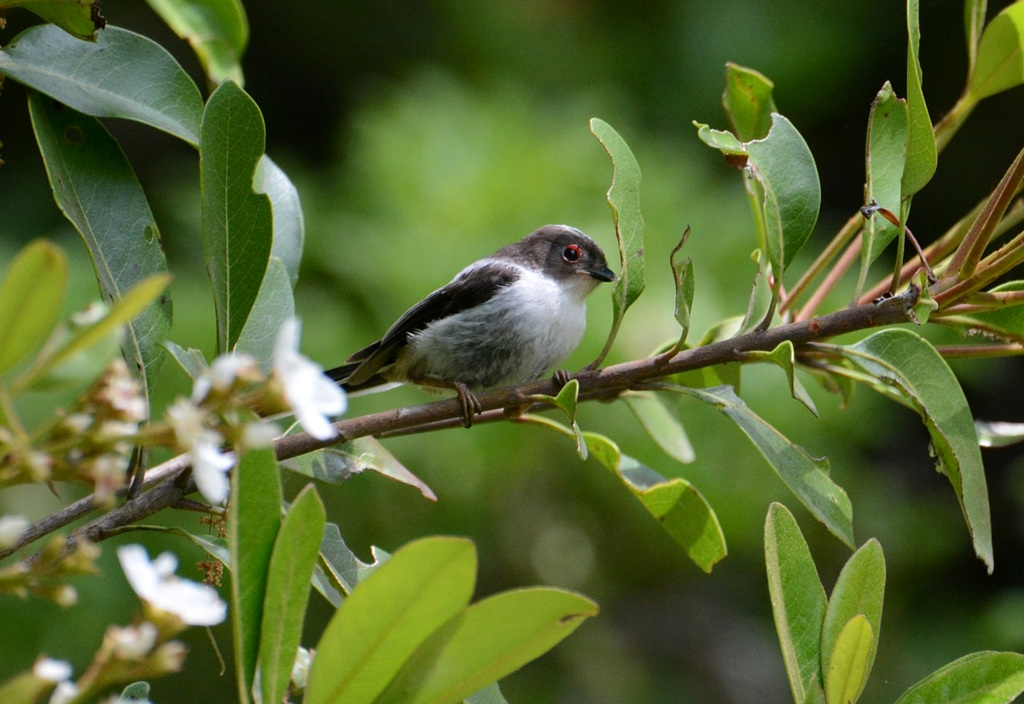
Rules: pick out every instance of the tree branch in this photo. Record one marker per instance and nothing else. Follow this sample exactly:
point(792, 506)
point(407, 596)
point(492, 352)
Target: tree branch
point(166, 484)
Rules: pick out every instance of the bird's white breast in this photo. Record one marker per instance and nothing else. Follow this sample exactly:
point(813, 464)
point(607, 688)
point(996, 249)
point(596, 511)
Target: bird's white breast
point(519, 335)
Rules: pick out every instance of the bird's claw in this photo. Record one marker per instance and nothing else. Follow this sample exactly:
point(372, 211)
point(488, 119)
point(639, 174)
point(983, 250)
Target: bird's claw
point(470, 404)
point(561, 377)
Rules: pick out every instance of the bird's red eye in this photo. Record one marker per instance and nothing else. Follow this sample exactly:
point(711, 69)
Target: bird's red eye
point(572, 253)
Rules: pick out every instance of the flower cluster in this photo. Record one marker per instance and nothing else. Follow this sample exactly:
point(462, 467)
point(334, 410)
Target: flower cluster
point(92, 441)
point(216, 415)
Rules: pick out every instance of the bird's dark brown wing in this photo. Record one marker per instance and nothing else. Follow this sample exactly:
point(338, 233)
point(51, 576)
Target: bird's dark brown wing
point(470, 288)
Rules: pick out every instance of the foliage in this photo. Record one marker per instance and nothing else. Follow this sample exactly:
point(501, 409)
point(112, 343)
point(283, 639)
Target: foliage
point(404, 628)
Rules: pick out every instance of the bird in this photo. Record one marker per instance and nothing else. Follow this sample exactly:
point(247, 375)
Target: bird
point(507, 319)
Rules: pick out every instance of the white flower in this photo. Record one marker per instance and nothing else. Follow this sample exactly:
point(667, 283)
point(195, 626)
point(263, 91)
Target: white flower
point(210, 467)
point(312, 396)
point(123, 393)
point(52, 670)
point(156, 584)
point(11, 528)
point(209, 464)
point(259, 434)
point(134, 642)
point(64, 693)
point(224, 372)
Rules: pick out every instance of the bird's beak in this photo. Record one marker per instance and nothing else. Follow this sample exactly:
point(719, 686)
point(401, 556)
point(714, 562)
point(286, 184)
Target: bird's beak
point(604, 274)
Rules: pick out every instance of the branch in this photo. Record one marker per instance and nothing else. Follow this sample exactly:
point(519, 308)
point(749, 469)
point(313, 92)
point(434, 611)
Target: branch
point(167, 484)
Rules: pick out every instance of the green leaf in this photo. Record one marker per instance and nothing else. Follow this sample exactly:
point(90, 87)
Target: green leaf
point(782, 164)
point(91, 77)
point(253, 524)
point(978, 678)
point(274, 304)
point(684, 280)
point(922, 155)
point(289, 223)
point(338, 570)
point(336, 464)
point(31, 295)
point(748, 102)
point(485, 642)
point(386, 618)
point(662, 424)
point(850, 663)
point(565, 401)
point(624, 199)
point(136, 692)
point(284, 606)
point(80, 18)
point(798, 601)
point(96, 189)
point(675, 504)
point(784, 357)
point(488, 695)
point(24, 688)
point(806, 476)
point(217, 30)
point(61, 361)
point(907, 363)
point(191, 360)
point(725, 142)
point(859, 591)
point(237, 221)
point(886, 156)
point(1000, 63)
point(1005, 322)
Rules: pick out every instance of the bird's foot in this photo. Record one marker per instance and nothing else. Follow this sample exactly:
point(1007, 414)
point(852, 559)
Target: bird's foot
point(561, 377)
point(469, 402)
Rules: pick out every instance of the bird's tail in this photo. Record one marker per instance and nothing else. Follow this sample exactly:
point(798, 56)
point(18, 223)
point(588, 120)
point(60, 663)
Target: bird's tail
point(372, 385)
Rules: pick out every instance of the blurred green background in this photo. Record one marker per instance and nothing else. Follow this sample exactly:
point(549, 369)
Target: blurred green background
point(423, 135)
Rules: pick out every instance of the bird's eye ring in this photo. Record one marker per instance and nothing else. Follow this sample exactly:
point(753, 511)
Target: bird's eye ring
point(572, 253)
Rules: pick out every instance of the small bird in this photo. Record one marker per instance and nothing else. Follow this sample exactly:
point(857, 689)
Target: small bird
point(504, 320)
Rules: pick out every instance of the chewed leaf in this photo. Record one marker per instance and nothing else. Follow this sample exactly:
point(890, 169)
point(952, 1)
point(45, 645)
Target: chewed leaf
point(805, 476)
point(910, 365)
point(886, 156)
point(566, 400)
point(80, 18)
point(191, 361)
point(338, 570)
point(784, 356)
point(624, 199)
point(675, 504)
point(783, 165)
point(289, 222)
point(725, 142)
point(748, 101)
point(336, 464)
point(683, 278)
